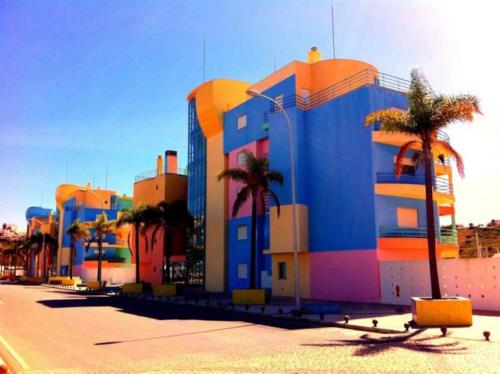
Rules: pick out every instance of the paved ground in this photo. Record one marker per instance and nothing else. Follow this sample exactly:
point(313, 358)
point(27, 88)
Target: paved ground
point(55, 331)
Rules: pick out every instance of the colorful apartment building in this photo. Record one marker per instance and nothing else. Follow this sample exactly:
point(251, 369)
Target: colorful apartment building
point(86, 203)
point(165, 183)
point(41, 221)
point(353, 212)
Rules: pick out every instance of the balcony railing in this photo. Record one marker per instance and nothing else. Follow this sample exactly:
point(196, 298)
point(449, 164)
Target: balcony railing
point(153, 173)
point(363, 78)
point(444, 236)
point(441, 184)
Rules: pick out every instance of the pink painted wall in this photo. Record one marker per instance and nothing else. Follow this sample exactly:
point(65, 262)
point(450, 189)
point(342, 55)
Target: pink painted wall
point(345, 275)
point(258, 148)
point(151, 261)
point(77, 270)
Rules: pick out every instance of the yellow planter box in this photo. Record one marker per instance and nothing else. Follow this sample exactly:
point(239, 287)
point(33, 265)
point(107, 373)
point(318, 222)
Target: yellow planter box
point(456, 311)
point(249, 296)
point(95, 285)
point(71, 282)
point(164, 290)
point(132, 288)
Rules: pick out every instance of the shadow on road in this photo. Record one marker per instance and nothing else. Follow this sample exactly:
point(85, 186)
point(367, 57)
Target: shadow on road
point(170, 311)
point(369, 345)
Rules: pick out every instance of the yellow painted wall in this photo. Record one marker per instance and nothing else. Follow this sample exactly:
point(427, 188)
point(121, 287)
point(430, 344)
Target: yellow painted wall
point(281, 239)
point(215, 257)
point(282, 287)
point(169, 187)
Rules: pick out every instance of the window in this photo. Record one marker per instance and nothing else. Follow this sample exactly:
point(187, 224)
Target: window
point(242, 271)
point(407, 217)
point(241, 158)
point(242, 121)
point(281, 270)
point(242, 232)
point(409, 166)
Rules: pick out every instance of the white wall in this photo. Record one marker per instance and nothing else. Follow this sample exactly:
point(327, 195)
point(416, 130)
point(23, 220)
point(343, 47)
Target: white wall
point(477, 278)
point(111, 275)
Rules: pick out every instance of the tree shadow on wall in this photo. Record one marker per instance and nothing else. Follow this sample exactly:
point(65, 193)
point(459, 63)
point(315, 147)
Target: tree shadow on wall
point(371, 345)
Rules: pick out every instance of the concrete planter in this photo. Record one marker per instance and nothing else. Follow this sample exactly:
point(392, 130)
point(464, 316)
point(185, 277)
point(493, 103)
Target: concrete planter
point(249, 296)
point(451, 311)
point(95, 285)
point(164, 290)
point(132, 288)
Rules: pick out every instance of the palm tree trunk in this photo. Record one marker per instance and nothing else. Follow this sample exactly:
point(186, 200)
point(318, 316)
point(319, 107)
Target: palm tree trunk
point(253, 241)
point(431, 230)
point(167, 251)
point(137, 260)
point(71, 255)
point(99, 261)
point(44, 273)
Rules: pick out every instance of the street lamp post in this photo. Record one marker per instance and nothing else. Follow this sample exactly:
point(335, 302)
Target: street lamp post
point(291, 140)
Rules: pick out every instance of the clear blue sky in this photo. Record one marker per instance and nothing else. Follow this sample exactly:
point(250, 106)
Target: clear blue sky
point(96, 82)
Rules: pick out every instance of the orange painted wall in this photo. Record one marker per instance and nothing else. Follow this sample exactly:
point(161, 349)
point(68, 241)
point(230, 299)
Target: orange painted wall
point(169, 187)
point(395, 249)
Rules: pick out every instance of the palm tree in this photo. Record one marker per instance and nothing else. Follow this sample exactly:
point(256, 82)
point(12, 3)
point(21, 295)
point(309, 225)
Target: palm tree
point(427, 114)
point(78, 232)
point(168, 216)
point(101, 226)
point(134, 216)
point(256, 177)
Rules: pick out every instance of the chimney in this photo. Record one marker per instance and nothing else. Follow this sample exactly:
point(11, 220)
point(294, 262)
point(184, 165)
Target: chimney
point(313, 55)
point(171, 162)
point(159, 165)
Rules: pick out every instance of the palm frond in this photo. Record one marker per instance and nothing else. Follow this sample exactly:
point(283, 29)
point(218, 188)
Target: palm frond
point(276, 200)
point(240, 199)
point(455, 108)
point(391, 120)
point(236, 174)
point(275, 176)
point(454, 154)
point(398, 164)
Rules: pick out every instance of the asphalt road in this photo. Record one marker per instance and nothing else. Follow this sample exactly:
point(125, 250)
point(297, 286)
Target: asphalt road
point(55, 331)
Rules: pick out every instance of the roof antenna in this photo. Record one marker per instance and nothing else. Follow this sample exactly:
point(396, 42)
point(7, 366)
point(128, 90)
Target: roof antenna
point(333, 29)
point(67, 167)
point(204, 57)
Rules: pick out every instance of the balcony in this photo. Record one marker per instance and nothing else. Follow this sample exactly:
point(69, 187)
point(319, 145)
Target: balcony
point(413, 186)
point(445, 236)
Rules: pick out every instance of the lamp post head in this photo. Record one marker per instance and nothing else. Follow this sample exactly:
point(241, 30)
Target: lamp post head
point(253, 93)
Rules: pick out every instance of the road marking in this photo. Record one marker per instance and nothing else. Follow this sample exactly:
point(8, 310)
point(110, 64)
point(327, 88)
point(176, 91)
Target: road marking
point(14, 354)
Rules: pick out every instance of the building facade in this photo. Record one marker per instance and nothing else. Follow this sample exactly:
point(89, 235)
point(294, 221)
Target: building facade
point(353, 212)
point(40, 221)
point(86, 203)
point(166, 183)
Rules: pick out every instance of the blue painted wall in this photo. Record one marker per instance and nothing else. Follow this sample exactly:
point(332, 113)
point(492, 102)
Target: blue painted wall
point(254, 109)
point(239, 252)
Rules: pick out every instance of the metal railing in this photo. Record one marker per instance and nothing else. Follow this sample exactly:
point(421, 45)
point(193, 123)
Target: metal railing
point(363, 78)
point(444, 236)
point(152, 173)
point(389, 177)
point(441, 184)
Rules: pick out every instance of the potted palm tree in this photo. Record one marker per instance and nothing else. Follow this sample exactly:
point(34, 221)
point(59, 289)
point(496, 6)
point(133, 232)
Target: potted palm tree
point(135, 217)
point(427, 114)
point(256, 179)
point(101, 227)
point(78, 232)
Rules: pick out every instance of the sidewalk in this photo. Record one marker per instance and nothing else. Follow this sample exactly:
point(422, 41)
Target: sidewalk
point(390, 319)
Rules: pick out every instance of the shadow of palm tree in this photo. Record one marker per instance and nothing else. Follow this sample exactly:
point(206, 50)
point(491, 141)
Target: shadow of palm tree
point(369, 345)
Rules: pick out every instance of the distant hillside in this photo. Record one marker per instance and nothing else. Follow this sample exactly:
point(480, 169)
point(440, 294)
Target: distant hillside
point(489, 239)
